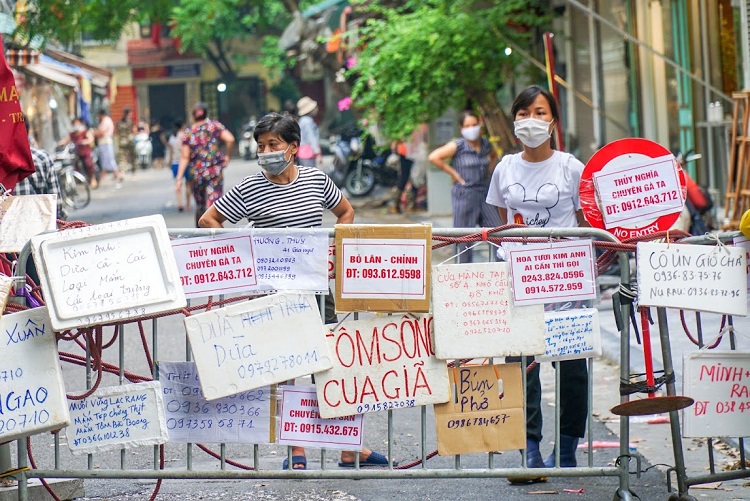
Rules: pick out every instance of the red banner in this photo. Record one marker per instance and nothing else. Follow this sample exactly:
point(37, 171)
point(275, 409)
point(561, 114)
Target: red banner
point(16, 162)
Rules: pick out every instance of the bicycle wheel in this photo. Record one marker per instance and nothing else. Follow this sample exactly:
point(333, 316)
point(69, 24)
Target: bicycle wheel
point(76, 191)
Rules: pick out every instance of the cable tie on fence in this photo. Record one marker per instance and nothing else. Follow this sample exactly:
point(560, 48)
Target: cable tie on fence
point(484, 234)
point(713, 343)
point(628, 293)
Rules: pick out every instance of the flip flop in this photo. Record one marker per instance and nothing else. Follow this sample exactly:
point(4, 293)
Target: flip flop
point(296, 460)
point(374, 460)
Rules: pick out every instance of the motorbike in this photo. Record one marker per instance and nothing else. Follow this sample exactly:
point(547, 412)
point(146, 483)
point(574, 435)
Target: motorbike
point(143, 149)
point(358, 167)
point(247, 144)
point(74, 187)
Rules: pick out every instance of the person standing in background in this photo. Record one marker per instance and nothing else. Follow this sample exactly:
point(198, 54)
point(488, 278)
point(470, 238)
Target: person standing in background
point(174, 146)
point(473, 162)
point(200, 152)
point(309, 153)
point(158, 144)
point(83, 139)
point(539, 188)
point(104, 133)
point(125, 149)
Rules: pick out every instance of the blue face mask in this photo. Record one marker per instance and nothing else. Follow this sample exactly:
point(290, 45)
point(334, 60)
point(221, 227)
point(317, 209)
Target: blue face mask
point(274, 163)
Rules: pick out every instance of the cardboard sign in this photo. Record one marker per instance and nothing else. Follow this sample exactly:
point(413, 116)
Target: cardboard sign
point(244, 418)
point(380, 364)
point(302, 425)
point(553, 272)
point(692, 277)
point(744, 243)
point(22, 217)
point(383, 267)
point(108, 273)
point(719, 382)
point(126, 416)
point(249, 345)
point(474, 315)
point(572, 334)
point(485, 412)
point(32, 394)
point(632, 187)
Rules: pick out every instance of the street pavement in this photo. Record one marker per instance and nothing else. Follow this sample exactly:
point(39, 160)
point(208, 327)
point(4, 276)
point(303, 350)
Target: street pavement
point(151, 192)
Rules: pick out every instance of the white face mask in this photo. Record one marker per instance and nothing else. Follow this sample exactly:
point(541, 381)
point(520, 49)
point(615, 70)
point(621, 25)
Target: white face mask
point(531, 131)
point(471, 133)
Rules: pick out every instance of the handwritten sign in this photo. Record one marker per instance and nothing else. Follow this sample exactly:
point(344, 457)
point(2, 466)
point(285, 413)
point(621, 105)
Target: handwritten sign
point(744, 243)
point(244, 418)
point(474, 315)
point(380, 364)
point(640, 191)
point(719, 382)
point(485, 412)
point(124, 416)
point(302, 425)
point(32, 395)
point(692, 277)
point(249, 345)
point(383, 267)
point(22, 217)
point(291, 259)
point(553, 272)
point(108, 272)
point(572, 334)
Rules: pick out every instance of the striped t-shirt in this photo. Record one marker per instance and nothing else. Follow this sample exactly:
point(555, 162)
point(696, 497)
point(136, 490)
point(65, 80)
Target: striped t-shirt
point(299, 204)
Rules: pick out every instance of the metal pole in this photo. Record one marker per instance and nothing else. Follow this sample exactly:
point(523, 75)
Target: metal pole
point(707, 94)
point(597, 89)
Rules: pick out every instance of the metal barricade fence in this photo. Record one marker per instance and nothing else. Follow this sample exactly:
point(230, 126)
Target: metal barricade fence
point(90, 345)
point(683, 479)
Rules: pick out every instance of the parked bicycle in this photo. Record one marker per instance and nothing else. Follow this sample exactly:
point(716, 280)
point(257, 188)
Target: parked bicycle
point(74, 187)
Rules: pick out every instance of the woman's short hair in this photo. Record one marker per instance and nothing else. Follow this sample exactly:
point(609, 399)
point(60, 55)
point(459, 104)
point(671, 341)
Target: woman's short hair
point(464, 114)
point(284, 126)
point(528, 95)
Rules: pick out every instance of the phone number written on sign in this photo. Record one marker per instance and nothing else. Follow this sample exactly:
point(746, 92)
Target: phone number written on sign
point(641, 203)
point(317, 428)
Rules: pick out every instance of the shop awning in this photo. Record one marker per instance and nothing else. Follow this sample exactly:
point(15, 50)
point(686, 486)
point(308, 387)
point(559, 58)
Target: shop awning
point(52, 74)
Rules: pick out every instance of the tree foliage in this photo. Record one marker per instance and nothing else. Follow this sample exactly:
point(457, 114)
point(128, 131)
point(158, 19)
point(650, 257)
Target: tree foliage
point(419, 59)
point(66, 20)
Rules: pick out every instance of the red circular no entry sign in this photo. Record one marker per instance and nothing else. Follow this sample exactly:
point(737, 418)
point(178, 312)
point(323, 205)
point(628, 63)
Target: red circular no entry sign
point(632, 187)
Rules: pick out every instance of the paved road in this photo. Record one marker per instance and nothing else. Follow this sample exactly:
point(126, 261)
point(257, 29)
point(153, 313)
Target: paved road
point(150, 192)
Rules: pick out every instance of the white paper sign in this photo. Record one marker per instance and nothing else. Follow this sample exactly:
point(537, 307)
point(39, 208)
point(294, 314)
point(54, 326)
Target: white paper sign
point(552, 272)
point(572, 334)
point(215, 265)
point(744, 243)
point(126, 416)
point(244, 418)
point(291, 259)
point(108, 272)
point(692, 277)
point(6, 284)
point(390, 269)
point(302, 425)
point(719, 382)
point(639, 192)
point(249, 345)
point(22, 217)
point(474, 315)
point(380, 364)
point(32, 395)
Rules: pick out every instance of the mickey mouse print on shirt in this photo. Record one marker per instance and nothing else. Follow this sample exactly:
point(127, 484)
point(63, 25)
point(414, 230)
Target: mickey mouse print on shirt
point(538, 194)
point(532, 210)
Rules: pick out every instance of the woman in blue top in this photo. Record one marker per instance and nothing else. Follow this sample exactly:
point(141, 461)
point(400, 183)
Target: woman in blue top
point(473, 161)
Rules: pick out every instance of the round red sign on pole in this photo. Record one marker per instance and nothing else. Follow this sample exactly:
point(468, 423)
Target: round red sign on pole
point(632, 187)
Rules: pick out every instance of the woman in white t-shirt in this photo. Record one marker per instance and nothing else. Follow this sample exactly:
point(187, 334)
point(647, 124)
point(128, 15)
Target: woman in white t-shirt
point(539, 187)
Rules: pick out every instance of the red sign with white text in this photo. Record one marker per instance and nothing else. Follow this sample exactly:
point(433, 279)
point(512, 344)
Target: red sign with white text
point(632, 187)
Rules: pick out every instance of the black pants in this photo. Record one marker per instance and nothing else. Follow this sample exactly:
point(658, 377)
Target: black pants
point(574, 397)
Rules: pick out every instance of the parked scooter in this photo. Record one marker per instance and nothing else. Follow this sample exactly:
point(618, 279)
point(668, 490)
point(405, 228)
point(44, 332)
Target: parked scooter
point(358, 167)
point(143, 148)
point(247, 145)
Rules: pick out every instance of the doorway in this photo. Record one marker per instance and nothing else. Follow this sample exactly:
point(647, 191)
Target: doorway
point(166, 104)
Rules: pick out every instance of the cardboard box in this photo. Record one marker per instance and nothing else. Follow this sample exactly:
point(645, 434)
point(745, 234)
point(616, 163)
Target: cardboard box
point(485, 412)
